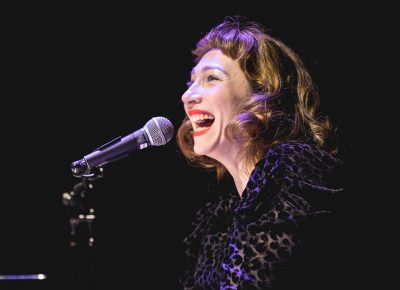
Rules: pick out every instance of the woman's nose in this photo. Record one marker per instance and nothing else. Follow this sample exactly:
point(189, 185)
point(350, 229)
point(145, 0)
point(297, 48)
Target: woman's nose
point(191, 98)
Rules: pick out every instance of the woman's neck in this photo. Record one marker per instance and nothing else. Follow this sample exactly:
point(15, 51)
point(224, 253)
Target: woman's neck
point(229, 158)
point(240, 177)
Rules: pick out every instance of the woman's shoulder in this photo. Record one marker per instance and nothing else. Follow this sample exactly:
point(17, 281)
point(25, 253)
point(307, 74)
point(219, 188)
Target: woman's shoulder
point(295, 151)
point(299, 174)
point(303, 161)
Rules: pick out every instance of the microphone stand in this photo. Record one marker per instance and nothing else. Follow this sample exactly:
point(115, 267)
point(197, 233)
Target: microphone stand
point(81, 223)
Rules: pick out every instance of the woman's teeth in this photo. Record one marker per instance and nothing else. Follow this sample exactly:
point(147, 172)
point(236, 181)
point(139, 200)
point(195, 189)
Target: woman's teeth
point(201, 122)
point(198, 117)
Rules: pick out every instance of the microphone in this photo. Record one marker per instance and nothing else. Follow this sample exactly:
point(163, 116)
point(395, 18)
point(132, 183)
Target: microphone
point(156, 132)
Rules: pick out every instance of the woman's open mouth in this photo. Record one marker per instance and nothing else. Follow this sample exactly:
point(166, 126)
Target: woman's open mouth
point(201, 121)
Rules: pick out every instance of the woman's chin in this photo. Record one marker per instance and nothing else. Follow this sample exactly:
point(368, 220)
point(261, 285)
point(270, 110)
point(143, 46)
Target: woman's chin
point(199, 150)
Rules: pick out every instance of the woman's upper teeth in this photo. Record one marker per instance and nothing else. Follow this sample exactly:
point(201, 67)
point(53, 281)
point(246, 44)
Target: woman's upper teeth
point(199, 117)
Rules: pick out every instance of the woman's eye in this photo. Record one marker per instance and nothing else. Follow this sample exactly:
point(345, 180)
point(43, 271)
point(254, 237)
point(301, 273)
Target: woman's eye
point(212, 78)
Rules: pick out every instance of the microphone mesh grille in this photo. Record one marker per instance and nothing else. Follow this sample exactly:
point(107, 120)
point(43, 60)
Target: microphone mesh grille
point(160, 130)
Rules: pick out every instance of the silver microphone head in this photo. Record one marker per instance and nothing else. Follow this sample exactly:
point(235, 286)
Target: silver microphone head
point(159, 130)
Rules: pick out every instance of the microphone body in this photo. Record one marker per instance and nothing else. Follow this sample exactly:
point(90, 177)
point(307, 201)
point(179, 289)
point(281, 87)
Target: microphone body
point(158, 131)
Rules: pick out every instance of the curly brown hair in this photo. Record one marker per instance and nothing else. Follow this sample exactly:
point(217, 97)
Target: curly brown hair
point(283, 106)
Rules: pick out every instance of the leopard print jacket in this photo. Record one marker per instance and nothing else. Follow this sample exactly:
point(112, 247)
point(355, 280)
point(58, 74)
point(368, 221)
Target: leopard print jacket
point(252, 241)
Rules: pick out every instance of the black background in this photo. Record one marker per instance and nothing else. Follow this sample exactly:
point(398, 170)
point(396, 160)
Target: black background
point(77, 77)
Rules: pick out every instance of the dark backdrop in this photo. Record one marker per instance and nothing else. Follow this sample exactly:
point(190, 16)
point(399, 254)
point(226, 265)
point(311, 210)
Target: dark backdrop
point(77, 77)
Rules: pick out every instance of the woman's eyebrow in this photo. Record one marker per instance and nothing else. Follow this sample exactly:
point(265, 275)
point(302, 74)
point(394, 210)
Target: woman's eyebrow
point(208, 67)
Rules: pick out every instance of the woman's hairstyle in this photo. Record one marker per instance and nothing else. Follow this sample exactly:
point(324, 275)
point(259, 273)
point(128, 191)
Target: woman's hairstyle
point(283, 106)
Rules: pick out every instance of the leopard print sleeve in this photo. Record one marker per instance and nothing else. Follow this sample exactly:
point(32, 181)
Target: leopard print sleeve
point(260, 237)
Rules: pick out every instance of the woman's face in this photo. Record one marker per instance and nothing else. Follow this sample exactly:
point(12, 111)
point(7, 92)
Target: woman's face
point(217, 87)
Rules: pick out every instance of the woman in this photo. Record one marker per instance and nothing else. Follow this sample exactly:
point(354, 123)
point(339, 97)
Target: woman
point(251, 109)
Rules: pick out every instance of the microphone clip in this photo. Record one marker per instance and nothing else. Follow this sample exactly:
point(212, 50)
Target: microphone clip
point(80, 169)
